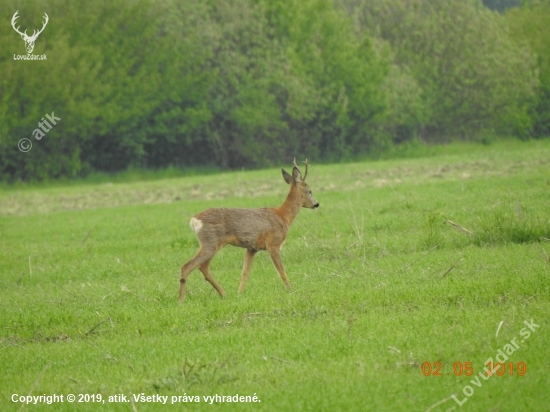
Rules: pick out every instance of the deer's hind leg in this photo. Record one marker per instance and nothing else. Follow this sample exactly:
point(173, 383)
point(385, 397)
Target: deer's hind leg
point(205, 269)
point(248, 257)
point(204, 255)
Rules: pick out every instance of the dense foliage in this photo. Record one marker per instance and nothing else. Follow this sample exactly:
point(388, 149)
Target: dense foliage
point(530, 27)
point(501, 5)
point(245, 83)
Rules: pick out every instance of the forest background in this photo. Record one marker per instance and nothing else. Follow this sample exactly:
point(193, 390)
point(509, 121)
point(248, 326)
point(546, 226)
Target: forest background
point(151, 84)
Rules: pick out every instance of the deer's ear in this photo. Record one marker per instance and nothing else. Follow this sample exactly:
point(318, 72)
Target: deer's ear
point(287, 177)
point(296, 175)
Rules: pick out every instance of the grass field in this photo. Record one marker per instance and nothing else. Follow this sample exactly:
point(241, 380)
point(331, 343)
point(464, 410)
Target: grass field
point(436, 259)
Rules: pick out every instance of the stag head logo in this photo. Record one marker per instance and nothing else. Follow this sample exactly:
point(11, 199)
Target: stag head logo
point(29, 40)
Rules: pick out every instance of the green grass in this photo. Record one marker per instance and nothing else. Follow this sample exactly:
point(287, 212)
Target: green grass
point(382, 282)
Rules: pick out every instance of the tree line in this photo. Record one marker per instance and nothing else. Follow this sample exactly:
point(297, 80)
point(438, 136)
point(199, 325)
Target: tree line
point(248, 83)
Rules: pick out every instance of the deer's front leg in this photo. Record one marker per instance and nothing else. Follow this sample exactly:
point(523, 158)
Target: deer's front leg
point(275, 253)
point(248, 257)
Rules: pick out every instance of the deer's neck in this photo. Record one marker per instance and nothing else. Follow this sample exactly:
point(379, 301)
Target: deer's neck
point(290, 207)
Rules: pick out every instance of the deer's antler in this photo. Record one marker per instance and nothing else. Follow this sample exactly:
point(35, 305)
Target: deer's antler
point(24, 34)
point(296, 166)
point(307, 165)
point(35, 34)
point(15, 17)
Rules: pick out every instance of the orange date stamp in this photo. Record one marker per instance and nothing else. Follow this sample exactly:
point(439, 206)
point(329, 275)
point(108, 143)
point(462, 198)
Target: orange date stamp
point(466, 369)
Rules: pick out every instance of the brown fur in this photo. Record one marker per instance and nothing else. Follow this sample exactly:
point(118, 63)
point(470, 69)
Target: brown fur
point(252, 229)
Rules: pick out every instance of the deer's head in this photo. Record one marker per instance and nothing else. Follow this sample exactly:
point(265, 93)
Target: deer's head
point(298, 182)
point(29, 40)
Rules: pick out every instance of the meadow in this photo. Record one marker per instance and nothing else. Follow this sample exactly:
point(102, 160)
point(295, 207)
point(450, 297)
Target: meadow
point(424, 265)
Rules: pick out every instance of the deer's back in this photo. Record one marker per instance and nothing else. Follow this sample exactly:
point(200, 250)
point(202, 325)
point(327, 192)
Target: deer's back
point(255, 229)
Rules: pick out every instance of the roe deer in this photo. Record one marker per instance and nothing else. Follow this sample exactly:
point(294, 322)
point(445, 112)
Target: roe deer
point(252, 229)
